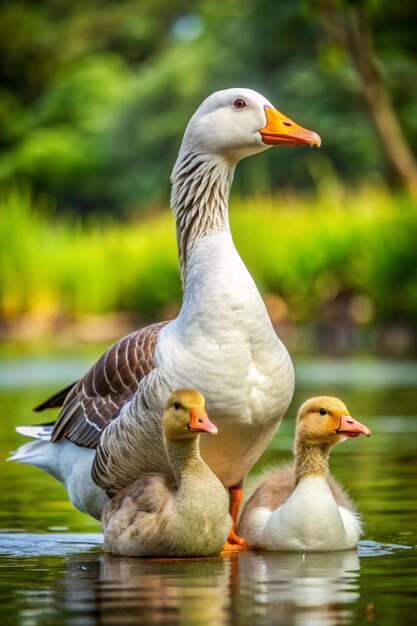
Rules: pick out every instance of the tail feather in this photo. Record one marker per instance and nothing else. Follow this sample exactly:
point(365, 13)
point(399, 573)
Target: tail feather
point(30, 453)
point(39, 431)
point(56, 400)
point(42, 454)
point(68, 463)
point(34, 452)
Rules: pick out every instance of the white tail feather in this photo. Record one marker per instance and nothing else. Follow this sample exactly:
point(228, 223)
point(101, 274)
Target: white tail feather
point(29, 453)
point(40, 431)
point(68, 463)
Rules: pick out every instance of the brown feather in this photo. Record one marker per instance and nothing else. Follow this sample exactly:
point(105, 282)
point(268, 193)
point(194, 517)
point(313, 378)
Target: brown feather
point(57, 399)
point(97, 398)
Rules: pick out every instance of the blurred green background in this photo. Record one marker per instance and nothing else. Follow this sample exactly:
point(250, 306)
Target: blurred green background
point(94, 99)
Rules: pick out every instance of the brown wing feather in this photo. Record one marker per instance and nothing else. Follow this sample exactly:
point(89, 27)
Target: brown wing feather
point(57, 399)
point(98, 397)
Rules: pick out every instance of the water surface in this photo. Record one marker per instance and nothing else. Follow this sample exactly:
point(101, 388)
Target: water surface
point(53, 569)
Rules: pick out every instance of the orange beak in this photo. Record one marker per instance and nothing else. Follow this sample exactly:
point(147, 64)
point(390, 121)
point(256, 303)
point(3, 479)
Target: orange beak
point(281, 131)
point(200, 423)
point(351, 428)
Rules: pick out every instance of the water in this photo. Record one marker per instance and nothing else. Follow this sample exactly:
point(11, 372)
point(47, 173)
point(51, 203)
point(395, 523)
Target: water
point(53, 569)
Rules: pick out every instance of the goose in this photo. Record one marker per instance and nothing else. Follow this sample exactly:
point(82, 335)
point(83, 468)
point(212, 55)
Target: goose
point(222, 342)
point(302, 507)
point(164, 516)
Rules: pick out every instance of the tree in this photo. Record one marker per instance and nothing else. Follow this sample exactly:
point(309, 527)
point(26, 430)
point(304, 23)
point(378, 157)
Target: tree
point(350, 26)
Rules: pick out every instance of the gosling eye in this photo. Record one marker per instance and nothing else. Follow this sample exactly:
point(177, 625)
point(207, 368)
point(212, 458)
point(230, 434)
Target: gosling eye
point(177, 405)
point(322, 411)
point(239, 103)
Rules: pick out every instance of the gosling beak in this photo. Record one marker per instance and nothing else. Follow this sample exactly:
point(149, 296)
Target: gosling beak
point(351, 428)
point(281, 131)
point(200, 423)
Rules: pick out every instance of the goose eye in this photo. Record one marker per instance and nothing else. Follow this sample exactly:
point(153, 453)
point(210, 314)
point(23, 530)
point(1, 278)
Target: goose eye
point(323, 412)
point(177, 405)
point(239, 103)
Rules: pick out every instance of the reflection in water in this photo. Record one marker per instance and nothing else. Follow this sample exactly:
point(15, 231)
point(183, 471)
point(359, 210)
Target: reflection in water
point(301, 589)
point(66, 575)
point(261, 588)
point(87, 588)
point(138, 591)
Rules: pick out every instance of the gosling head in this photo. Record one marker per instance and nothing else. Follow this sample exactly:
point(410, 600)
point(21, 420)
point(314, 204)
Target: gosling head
point(185, 416)
point(236, 123)
point(326, 421)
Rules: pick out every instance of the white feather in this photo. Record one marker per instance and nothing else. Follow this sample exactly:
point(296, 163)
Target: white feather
point(310, 520)
point(41, 431)
point(69, 464)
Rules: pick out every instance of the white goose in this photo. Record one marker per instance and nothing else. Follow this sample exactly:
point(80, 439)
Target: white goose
point(222, 342)
point(302, 507)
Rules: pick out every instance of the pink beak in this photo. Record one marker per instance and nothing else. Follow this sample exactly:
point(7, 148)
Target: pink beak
point(351, 428)
point(200, 423)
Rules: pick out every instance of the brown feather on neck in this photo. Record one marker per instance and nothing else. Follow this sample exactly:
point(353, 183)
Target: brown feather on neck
point(311, 460)
point(199, 200)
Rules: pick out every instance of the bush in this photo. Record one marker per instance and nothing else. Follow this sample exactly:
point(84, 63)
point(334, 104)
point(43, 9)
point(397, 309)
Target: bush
point(308, 251)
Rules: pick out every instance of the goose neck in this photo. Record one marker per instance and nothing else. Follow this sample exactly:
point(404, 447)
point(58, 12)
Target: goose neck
point(311, 460)
point(199, 199)
point(184, 457)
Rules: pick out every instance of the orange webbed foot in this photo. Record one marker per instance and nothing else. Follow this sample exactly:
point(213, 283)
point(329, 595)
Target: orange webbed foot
point(234, 543)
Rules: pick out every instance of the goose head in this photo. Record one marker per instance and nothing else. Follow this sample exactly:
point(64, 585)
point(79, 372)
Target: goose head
point(326, 421)
point(185, 416)
point(236, 123)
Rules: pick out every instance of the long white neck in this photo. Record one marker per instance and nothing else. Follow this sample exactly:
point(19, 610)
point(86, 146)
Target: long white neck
point(199, 199)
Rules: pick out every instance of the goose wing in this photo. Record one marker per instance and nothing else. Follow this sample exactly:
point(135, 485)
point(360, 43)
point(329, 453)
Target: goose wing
point(149, 494)
point(97, 398)
point(134, 518)
point(56, 400)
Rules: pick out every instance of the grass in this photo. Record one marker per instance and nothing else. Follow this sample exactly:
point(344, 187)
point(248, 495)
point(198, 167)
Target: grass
point(357, 248)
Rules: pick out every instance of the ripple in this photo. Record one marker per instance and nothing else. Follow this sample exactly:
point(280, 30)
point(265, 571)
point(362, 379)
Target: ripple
point(47, 544)
point(375, 548)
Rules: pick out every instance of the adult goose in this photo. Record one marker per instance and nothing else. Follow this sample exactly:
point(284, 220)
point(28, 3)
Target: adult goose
point(161, 516)
point(301, 507)
point(222, 342)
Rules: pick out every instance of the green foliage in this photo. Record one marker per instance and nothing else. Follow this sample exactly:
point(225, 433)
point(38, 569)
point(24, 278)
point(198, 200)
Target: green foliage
point(308, 251)
point(311, 252)
point(96, 94)
point(60, 266)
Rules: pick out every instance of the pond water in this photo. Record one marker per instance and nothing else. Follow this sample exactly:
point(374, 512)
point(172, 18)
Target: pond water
point(53, 569)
